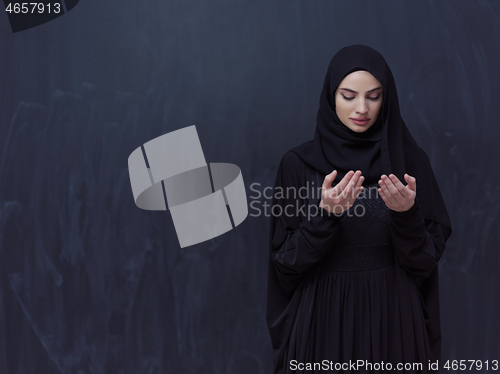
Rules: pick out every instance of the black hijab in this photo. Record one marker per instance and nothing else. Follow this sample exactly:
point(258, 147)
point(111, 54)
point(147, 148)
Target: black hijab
point(386, 147)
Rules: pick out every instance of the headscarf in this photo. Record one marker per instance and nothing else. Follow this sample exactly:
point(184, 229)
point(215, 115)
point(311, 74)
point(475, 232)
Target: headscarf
point(386, 147)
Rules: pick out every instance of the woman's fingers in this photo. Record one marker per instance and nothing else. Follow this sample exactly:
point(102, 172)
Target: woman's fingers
point(345, 192)
point(356, 189)
point(397, 196)
point(360, 181)
point(349, 190)
point(401, 188)
point(412, 182)
point(382, 194)
point(327, 182)
point(344, 182)
point(385, 189)
point(353, 194)
point(391, 187)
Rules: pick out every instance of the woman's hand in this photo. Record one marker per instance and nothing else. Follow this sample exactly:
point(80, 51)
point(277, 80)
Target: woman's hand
point(396, 196)
point(339, 198)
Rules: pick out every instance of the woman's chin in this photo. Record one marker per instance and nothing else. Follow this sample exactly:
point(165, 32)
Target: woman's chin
point(360, 129)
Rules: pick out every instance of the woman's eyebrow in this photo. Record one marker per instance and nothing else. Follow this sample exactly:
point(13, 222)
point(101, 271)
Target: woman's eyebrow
point(348, 89)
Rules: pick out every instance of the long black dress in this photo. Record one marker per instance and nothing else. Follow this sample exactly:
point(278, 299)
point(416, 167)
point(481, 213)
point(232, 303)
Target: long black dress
point(348, 288)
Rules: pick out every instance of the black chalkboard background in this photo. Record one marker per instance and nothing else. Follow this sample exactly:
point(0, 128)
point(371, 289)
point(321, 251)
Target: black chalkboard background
point(89, 283)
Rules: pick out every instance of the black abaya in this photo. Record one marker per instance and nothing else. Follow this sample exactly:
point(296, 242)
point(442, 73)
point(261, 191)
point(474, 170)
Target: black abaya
point(363, 285)
point(347, 288)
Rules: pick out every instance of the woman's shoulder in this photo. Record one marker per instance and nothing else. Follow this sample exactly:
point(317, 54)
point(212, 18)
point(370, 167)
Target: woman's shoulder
point(289, 159)
point(292, 158)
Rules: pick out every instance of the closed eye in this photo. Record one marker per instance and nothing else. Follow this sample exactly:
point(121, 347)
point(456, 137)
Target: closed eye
point(351, 98)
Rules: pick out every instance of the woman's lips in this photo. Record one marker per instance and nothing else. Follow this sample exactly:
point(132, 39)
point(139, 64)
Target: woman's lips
point(360, 121)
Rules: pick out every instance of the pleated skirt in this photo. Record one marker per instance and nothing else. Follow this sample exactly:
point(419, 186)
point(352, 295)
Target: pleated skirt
point(368, 310)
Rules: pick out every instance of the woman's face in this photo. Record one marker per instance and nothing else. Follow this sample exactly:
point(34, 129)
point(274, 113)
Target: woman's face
point(358, 100)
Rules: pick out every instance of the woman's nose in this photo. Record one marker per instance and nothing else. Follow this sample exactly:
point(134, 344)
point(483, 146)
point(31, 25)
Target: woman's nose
point(362, 107)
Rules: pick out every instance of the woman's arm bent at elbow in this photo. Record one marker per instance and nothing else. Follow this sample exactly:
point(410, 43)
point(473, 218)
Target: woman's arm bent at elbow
point(418, 243)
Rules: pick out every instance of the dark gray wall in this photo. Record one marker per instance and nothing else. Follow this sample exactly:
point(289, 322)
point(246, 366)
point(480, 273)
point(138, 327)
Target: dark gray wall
point(91, 284)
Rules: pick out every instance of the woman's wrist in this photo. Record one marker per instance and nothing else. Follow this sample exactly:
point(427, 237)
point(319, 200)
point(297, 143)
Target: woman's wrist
point(325, 211)
point(411, 210)
point(337, 210)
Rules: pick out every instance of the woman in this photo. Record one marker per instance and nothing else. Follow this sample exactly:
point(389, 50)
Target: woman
point(353, 270)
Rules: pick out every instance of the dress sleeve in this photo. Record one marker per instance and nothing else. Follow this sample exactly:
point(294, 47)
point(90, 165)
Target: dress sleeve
point(418, 243)
point(302, 235)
